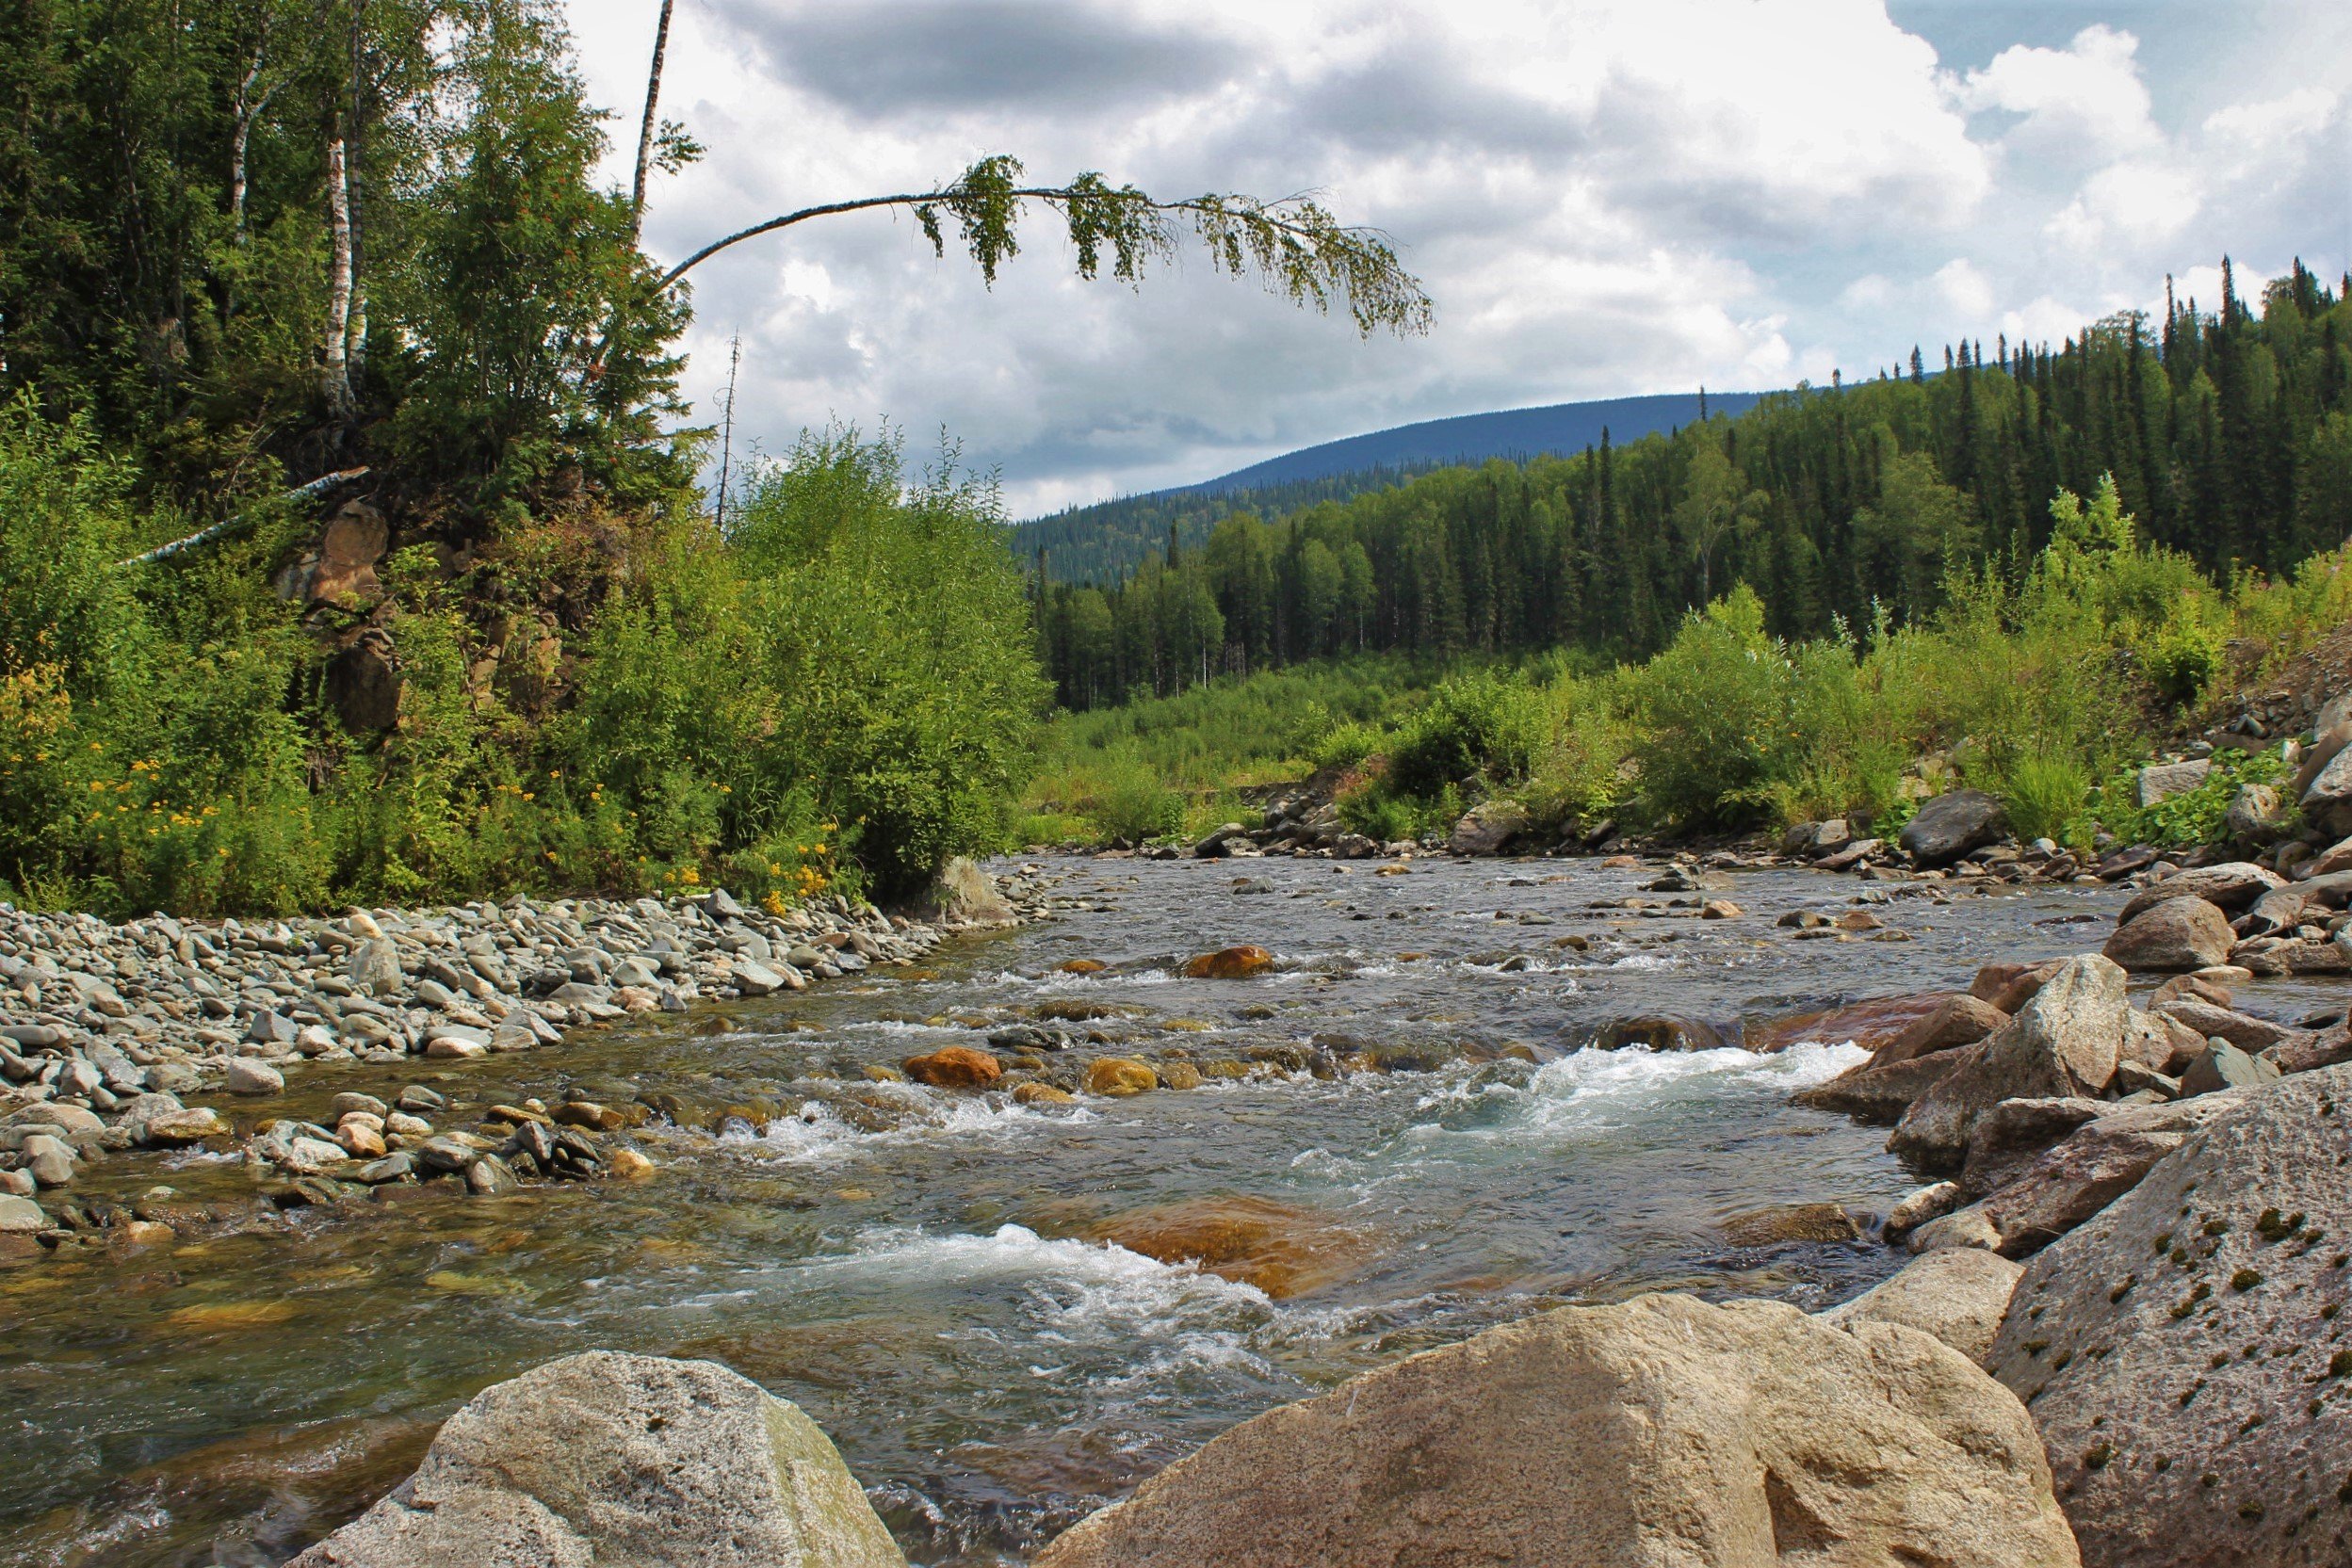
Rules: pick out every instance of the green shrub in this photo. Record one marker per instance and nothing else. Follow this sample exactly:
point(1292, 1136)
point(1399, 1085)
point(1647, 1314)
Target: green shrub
point(2044, 794)
point(1481, 725)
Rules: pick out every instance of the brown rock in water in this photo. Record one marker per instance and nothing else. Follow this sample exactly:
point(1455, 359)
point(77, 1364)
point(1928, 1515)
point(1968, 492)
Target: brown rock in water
point(1661, 1032)
point(1083, 966)
point(2183, 1353)
point(1784, 1222)
point(1878, 1095)
point(1120, 1076)
point(1042, 1095)
point(1957, 1020)
point(2068, 1040)
point(1660, 1432)
point(1283, 1249)
point(1871, 1023)
point(605, 1458)
point(1230, 964)
point(2178, 933)
point(1958, 1294)
point(955, 1067)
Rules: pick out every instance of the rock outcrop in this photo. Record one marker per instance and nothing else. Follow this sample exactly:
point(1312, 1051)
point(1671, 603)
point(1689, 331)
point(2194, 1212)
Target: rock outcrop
point(2183, 1353)
point(2067, 1041)
point(1661, 1431)
point(615, 1459)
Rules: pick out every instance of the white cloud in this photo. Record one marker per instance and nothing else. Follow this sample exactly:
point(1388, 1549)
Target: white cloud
point(2086, 99)
point(1606, 196)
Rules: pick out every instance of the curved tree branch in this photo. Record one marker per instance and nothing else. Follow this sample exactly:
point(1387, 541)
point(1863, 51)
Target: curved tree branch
point(1293, 246)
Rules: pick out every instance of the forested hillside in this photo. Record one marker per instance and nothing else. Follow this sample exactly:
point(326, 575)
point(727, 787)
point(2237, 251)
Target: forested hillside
point(2227, 428)
point(1103, 542)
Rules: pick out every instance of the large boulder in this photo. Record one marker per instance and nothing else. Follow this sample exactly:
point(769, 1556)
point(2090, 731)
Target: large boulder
point(2067, 1041)
point(963, 895)
point(606, 1458)
point(2232, 887)
point(2326, 799)
point(2181, 1352)
point(1951, 825)
point(2178, 933)
point(1486, 828)
point(1661, 1430)
point(1958, 1295)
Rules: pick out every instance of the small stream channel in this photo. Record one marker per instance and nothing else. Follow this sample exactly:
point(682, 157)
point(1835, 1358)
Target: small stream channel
point(938, 1277)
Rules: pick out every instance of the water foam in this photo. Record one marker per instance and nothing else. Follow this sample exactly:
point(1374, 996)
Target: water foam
point(817, 1133)
point(1074, 1297)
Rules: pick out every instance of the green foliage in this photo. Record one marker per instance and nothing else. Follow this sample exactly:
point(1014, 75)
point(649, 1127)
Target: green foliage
point(1477, 726)
point(2044, 793)
point(2191, 818)
point(838, 697)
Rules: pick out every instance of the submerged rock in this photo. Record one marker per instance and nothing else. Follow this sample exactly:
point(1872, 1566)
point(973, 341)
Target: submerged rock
point(606, 1458)
point(1659, 1431)
point(955, 1067)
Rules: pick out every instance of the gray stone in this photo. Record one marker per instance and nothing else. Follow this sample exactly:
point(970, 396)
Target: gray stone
point(269, 1027)
point(375, 967)
point(610, 1459)
point(756, 979)
point(1932, 1202)
point(2010, 1133)
point(1958, 1294)
point(2130, 1340)
point(961, 895)
point(244, 1075)
point(20, 1216)
point(2222, 1066)
point(48, 1160)
point(2165, 780)
point(2255, 814)
point(2067, 1041)
point(491, 1177)
point(1878, 1095)
point(1659, 1432)
point(2327, 802)
point(2240, 1029)
point(1951, 825)
point(2178, 933)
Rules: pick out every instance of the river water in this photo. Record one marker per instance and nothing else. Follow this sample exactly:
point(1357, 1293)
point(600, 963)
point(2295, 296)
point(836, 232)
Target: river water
point(938, 1277)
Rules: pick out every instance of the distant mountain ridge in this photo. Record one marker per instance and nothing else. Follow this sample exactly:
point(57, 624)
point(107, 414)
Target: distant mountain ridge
point(1106, 541)
point(1515, 434)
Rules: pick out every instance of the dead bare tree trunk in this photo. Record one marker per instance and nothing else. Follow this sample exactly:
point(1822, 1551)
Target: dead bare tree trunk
point(337, 381)
point(646, 131)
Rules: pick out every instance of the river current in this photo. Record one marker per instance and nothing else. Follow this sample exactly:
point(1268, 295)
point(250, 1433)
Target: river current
point(939, 1279)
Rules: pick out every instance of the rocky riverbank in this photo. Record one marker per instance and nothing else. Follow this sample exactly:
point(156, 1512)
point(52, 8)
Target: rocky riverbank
point(113, 1038)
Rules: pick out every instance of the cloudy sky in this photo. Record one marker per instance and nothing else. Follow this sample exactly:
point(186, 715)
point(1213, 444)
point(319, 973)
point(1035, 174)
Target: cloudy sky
point(1603, 198)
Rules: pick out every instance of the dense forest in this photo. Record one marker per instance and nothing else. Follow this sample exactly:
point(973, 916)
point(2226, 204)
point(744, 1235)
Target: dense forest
point(2227, 431)
point(1101, 543)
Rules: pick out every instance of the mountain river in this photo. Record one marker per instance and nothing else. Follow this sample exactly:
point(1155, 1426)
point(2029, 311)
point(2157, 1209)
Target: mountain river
point(962, 1290)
